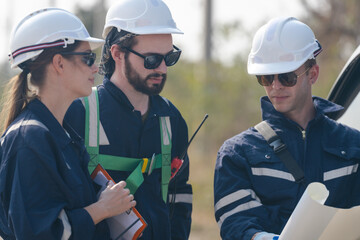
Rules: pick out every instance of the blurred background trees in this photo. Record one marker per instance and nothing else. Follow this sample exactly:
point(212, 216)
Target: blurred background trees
point(227, 93)
point(231, 97)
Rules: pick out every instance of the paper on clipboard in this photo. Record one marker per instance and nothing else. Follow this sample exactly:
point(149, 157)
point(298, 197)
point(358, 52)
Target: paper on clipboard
point(126, 226)
point(312, 219)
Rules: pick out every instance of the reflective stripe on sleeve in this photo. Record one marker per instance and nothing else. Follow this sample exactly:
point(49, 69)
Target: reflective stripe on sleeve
point(340, 172)
point(240, 208)
point(67, 227)
point(272, 173)
point(181, 198)
point(23, 123)
point(235, 196)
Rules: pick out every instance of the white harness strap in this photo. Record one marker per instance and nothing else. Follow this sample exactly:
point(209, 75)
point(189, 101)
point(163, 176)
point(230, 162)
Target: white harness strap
point(94, 119)
point(166, 130)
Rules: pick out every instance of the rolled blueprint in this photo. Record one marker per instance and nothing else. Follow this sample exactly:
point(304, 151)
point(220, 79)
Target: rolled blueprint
point(310, 217)
point(313, 220)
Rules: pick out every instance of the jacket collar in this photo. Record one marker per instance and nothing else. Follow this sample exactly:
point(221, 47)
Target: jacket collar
point(158, 105)
point(322, 107)
point(117, 94)
point(54, 127)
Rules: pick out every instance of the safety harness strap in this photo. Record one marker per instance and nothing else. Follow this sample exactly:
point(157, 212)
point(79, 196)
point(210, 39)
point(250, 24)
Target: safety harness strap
point(166, 155)
point(136, 166)
point(92, 128)
point(280, 150)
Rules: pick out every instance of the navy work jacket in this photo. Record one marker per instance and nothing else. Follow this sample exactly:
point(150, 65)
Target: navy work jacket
point(254, 191)
point(43, 172)
point(129, 136)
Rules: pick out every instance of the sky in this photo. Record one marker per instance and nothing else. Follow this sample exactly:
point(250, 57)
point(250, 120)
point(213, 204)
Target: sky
point(188, 14)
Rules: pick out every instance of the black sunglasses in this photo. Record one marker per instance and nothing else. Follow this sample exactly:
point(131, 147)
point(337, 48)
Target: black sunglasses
point(88, 57)
point(286, 79)
point(154, 60)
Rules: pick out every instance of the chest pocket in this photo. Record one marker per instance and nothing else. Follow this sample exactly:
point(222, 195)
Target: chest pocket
point(341, 153)
point(341, 175)
point(265, 163)
point(270, 178)
point(340, 162)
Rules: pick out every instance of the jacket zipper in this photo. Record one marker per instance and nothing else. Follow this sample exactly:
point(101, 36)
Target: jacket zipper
point(303, 133)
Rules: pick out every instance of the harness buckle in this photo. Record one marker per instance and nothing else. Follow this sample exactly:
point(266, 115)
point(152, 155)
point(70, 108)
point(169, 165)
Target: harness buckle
point(277, 145)
point(145, 163)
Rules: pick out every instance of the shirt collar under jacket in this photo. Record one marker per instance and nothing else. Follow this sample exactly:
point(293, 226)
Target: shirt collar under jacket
point(54, 127)
point(322, 107)
point(158, 106)
point(117, 93)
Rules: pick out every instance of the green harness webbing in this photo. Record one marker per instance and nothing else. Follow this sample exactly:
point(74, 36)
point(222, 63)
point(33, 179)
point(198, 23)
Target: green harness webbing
point(136, 166)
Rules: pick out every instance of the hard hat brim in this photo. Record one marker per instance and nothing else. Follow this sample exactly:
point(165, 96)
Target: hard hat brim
point(145, 31)
point(165, 30)
point(274, 68)
point(94, 42)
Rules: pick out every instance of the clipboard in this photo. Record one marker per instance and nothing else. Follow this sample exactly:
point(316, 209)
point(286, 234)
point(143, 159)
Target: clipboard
point(126, 226)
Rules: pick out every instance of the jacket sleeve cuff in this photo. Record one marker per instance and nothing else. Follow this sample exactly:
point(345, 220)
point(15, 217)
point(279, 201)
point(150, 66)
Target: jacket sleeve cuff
point(82, 225)
point(181, 221)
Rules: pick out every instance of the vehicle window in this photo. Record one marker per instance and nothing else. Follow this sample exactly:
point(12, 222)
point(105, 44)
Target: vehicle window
point(352, 115)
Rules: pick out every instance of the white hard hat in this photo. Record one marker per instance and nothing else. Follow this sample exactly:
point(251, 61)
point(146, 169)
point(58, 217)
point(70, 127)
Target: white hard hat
point(140, 17)
point(280, 46)
point(46, 28)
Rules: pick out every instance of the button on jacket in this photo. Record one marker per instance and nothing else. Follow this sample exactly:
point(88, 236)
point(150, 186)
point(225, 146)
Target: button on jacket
point(43, 175)
point(254, 191)
point(128, 136)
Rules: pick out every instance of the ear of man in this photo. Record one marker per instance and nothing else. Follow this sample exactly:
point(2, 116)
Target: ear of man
point(314, 74)
point(116, 53)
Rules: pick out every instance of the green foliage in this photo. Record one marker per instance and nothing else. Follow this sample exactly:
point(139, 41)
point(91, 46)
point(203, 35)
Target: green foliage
point(231, 98)
point(228, 94)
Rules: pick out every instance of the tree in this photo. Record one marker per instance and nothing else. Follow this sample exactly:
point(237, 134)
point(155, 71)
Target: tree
point(335, 24)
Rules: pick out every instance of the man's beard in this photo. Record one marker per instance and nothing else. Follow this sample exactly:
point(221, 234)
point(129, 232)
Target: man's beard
point(140, 84)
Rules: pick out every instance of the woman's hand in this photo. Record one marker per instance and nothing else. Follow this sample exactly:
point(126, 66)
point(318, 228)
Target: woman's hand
point(114, 200)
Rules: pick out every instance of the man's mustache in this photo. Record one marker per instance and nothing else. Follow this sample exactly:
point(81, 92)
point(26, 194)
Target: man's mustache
point(156, 75)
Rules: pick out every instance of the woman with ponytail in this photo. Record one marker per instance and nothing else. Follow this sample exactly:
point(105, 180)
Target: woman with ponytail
point(17, 93)
point(45, 189)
